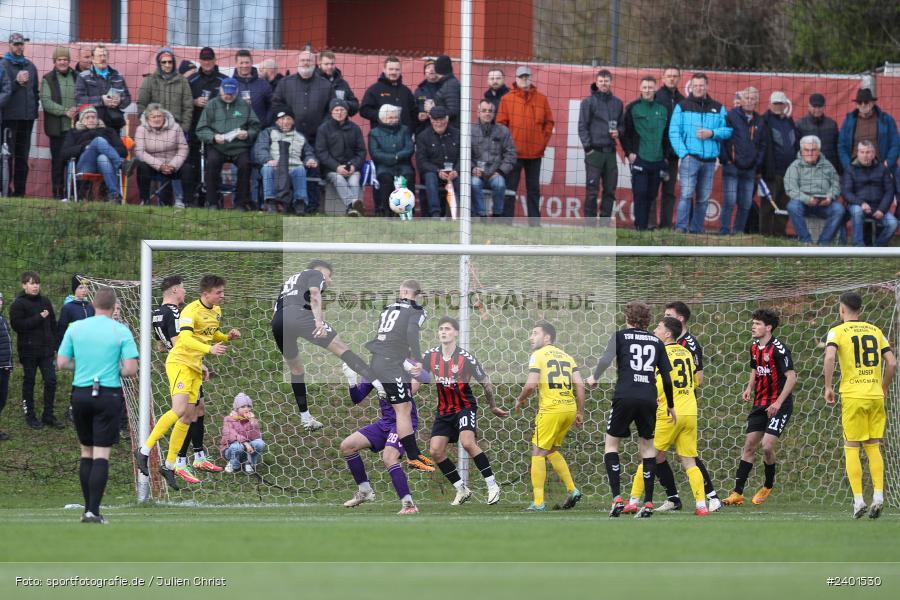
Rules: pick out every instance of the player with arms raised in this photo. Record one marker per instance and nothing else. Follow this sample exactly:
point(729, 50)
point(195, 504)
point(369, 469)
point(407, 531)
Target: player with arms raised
point(554, 374)
point(865, 379)
point(639, 355)
point(198, 335)
point(452, 368)
point(299, 313)
point(397, 338)
point(165, 329)
point(772, 379)
point(683, 433)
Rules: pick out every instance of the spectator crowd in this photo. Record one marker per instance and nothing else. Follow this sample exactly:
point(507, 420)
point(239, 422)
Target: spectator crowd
point(288, 136)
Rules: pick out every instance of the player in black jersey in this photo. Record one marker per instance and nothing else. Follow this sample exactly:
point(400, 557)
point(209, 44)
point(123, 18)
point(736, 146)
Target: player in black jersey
point(679, 310)
point(638, 355)
point(452, 368)
point(165, 329)
point(772, 379)
point(397, 338)
point(298, 313)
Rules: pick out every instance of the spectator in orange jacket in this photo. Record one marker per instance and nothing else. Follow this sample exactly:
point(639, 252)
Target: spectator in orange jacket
point(526, 113)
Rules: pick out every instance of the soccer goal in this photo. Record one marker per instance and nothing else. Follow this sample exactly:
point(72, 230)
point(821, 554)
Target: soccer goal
point(497, 292)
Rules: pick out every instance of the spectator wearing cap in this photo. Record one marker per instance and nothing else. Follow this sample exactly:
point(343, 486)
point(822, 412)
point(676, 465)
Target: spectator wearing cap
point(342, 151)
point(58, 102)
point(282, 150)
point(205, 84)
point(437, 159)
point(104, 88)
point(75, 307)
point(168, 88)
point(823, 127)
point(526, 113)
point(161, 150)
point(600, 124)
point(425, 95)
point(741, 159)
point(778, 143)
point(228, 126)
point(389, 89)
point(391, 148)
point(20, 110)
point(307, 95)
point(32, 317)
point(241, 438)
point(328, 69)
point(100, 351)
point(6, 363)
point(96, 148)
point(868, 190)
point(449, 91)
point(869, 122)
point(497, 87)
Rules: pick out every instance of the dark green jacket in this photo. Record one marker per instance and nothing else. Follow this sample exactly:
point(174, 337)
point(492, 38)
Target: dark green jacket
point(219, 117)
point(57, 95)
point(645, 130)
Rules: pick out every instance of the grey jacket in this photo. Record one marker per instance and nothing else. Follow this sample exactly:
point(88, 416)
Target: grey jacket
point(597, 110)
point(22, 104)
point(493, 144)
point(803, 181)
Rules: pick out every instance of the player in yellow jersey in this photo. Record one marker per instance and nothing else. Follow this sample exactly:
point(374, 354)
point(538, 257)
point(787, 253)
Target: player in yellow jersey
point(867, 368)
point(683, 433)
point(198, 335)
point(555, 376)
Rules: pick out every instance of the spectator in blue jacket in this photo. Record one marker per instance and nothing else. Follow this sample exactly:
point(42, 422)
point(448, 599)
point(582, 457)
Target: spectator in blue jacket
point(741, 158)
point(75, 307)
point(6, 363)
point(868, 190)
point(696, 133)
point(253, 88)
point(869, 122)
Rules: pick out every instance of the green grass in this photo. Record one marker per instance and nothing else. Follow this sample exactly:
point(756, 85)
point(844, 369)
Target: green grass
point(474, 550)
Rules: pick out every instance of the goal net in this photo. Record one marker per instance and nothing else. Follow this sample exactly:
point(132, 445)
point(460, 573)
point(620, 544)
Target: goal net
point(582, 294)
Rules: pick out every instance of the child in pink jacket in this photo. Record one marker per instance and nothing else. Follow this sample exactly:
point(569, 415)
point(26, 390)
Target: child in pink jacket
point(241, 440)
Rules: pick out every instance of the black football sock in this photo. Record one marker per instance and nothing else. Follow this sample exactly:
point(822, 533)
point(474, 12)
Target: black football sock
point(358, 364)
point(84, 474)
point(449, 470)
point(198, 429)
point(99, 477)
point(613, 472)
point(182, 453)
point(667, 479)
point(299, 387)
point(708, 486)
point(743, 472)
point(410, 447)
point(649, 465)
point(484, 465)
point(770, 475)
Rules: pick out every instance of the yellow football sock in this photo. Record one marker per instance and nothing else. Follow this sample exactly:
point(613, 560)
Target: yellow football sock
point(695, 477)
point(162, 427)
point(854, 469)
point(538, 478)
point(637, 484)
point(176, 440)
point(562, 469)
point(876, 466)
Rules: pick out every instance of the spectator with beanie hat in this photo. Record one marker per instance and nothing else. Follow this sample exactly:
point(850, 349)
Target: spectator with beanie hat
point(96, 148)
point(342, 152)
point(58, 102)
point(825, 128)
point(241, 438)
point(449, 91)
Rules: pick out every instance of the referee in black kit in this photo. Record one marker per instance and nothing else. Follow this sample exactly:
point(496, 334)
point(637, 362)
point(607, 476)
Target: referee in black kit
point(101, 351)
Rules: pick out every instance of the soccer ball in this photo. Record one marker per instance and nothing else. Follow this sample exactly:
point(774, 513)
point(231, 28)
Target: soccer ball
point(402, 200)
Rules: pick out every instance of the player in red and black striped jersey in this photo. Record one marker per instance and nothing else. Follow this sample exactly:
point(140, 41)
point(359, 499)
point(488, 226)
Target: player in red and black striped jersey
point(772, 379)
point(679, 310)
point(452, 368)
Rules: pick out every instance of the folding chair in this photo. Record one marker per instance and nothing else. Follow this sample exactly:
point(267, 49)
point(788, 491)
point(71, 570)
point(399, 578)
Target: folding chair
point(73, 177)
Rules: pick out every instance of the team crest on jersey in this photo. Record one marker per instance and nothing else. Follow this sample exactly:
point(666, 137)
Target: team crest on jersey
point(454, 369)
point(765, 358)
point(180, 385)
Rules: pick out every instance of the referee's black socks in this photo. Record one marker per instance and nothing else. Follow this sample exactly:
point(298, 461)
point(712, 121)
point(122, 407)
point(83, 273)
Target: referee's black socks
point(649, 465)
point(97, 483)
point(84, 474)
point(613, 472)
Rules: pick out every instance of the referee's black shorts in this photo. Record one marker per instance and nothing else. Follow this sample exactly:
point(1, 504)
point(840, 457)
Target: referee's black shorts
point(97, 419)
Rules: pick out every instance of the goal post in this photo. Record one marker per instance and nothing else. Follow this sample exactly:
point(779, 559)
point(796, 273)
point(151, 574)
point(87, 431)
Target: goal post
point(581, 288)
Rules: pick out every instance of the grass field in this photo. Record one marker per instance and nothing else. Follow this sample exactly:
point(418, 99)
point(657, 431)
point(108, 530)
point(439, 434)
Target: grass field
point(473, 551)
point(318, 550)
